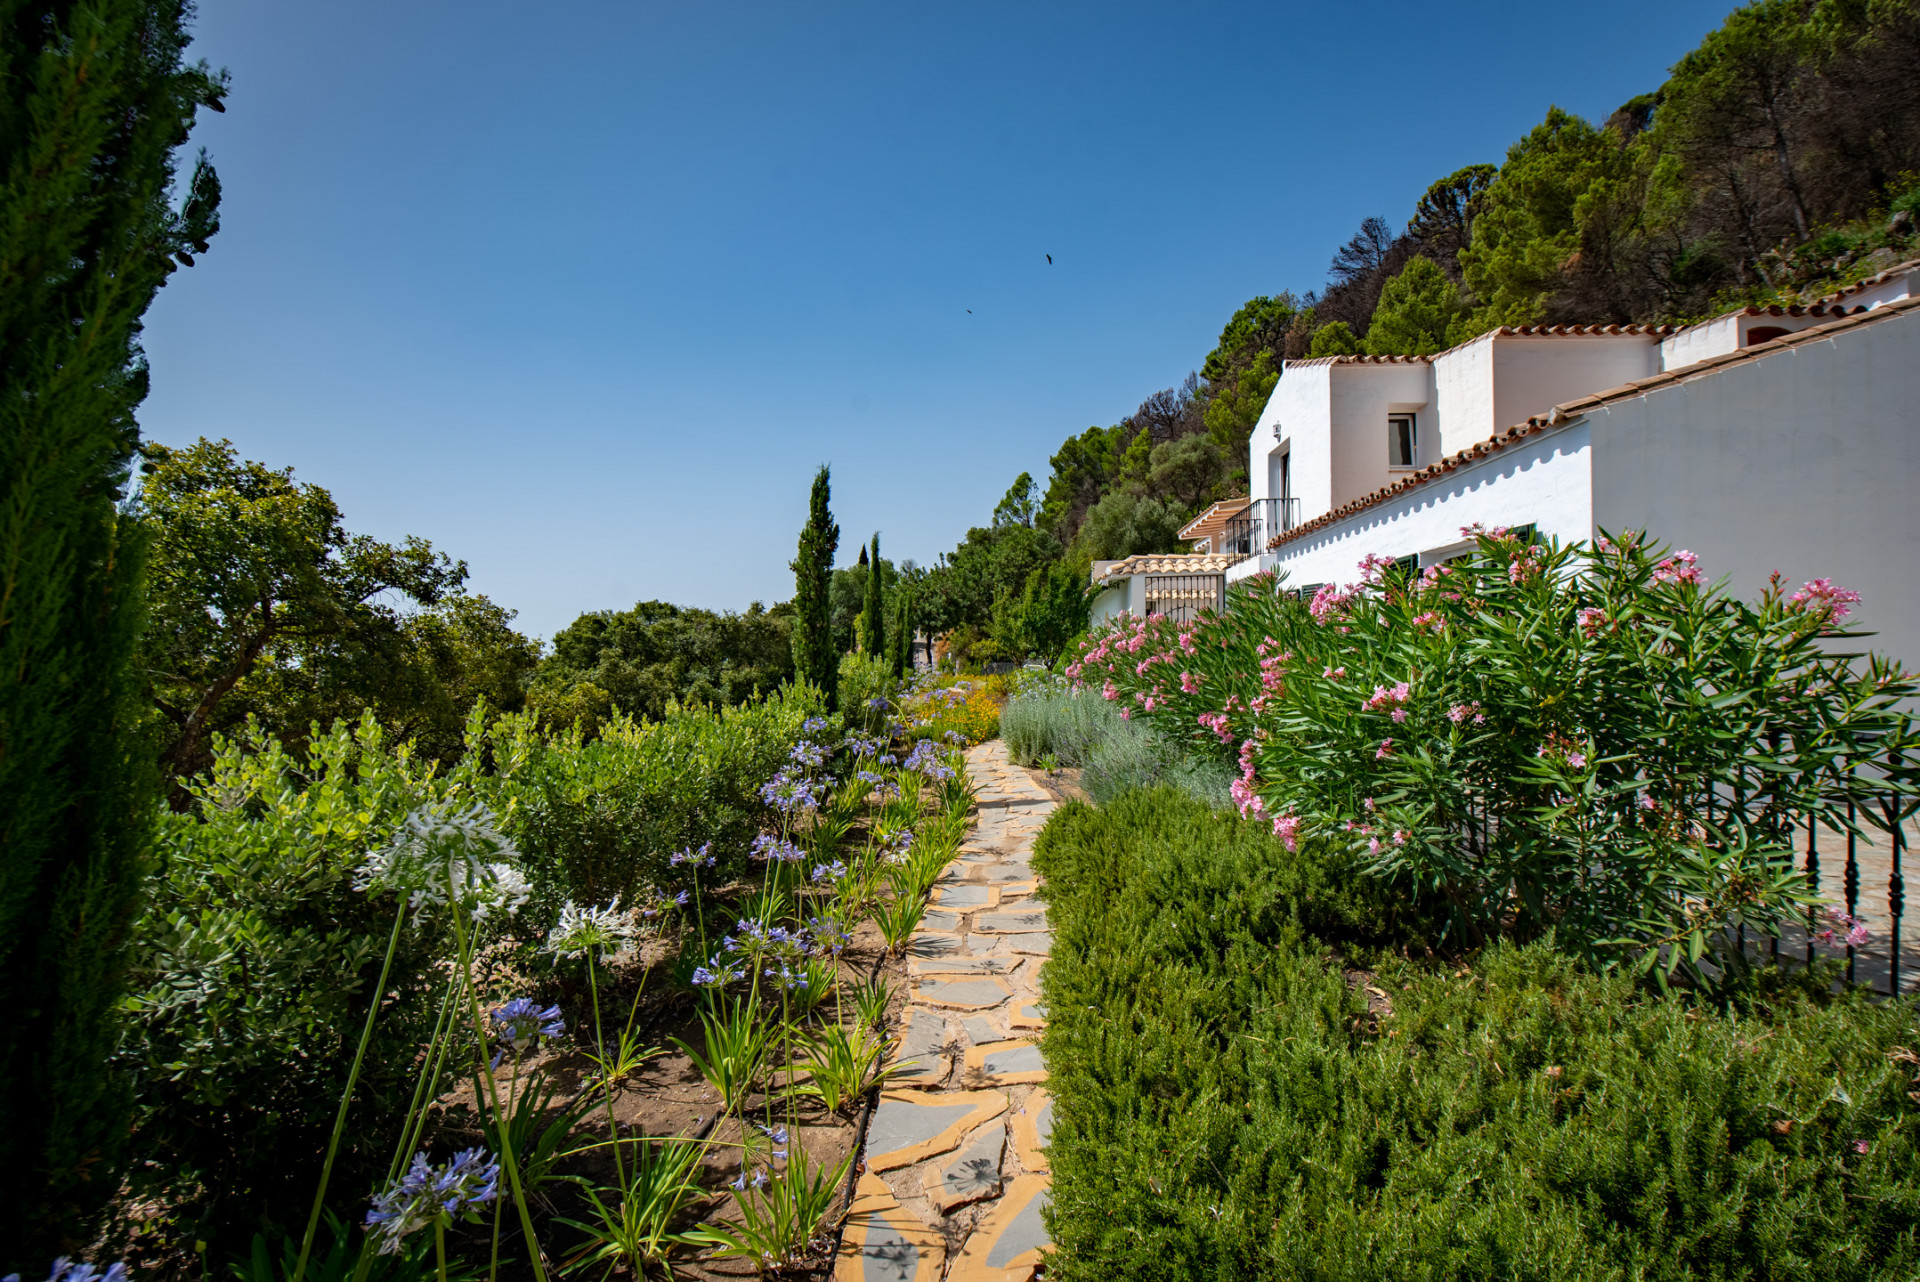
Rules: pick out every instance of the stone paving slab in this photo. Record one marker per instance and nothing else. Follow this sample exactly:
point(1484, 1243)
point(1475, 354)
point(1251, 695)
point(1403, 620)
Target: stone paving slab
point(1007, 1063)
point(883, 1242)
point(969, 1175)
point(1009, 1244)
point(911, 1126)
point(962, 994)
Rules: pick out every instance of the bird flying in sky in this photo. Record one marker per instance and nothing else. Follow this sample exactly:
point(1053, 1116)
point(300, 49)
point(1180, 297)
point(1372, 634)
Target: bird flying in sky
point(1049, 260)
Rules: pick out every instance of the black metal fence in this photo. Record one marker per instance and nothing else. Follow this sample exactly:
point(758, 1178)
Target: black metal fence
point(1183, 597)
point(1258, 524)
point(1864, 875)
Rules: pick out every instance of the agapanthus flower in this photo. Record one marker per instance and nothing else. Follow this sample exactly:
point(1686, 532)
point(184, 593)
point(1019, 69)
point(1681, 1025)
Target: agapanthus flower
point(829, 872)
point(789, 793)
point(427, 1195)
point(71, 1270)
point(767, 846)
point(701, 858)
point(522, 1023)
point(829, 935)
point(657, 902)
point(590, 931)
point(717, 973)
point(806, 753)
point(813, 725)
point(452, 856)
point(746, 1180)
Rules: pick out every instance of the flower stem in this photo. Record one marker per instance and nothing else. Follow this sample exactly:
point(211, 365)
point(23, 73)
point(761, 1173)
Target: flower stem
point(346, 1096)
point(485, 1072)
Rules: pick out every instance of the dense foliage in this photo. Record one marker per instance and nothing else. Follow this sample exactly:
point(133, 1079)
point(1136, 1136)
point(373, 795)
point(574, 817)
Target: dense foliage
point(1230, 1104)
point(643, 660)
point(815, 660)
point(264, 606)
point(1586, 740)
point(99, 99)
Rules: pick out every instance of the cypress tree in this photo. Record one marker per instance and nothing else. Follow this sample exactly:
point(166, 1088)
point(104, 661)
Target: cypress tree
point(873, 621)
point(97, 99)
point(813, 656)
point(900, 643)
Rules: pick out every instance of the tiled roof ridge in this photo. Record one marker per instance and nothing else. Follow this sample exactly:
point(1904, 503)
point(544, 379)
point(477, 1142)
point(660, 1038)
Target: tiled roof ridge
point(1503, 331)
point(1568, 412)
point(1878, 278)
point(1168, 563)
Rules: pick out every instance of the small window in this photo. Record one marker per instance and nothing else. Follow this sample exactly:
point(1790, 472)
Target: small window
point(1766, 334)
point(1403, 440)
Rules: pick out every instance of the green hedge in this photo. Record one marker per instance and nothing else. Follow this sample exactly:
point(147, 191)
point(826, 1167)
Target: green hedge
point(1227, 1108)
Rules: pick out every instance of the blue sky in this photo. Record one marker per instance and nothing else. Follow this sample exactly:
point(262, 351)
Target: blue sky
point(584, 293)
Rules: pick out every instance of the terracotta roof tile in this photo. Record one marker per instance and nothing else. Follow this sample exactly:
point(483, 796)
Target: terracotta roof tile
point(1170, 563)
point(1879, 278)
point(1567, 412)
point(1215, 518)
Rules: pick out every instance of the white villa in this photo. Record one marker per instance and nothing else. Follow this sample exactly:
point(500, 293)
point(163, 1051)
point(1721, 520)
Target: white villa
point(1766, 439)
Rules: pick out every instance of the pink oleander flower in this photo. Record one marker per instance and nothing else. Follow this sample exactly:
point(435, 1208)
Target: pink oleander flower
point(1384, 751)
point(1382, 697)
point(1374, 568)
point(1126, 714)
point(1334, 674)
point(1189, 683)
point(1861, 1146)
point(1373, 845)
point(1108, 692)
point(1429, 619)
point(1399, 837)
point(1591, 620)
point(1647, 802)
point(1398, 714)
point(1186, 642)
point(1682, 567)
point(1823, 596)
point(1217, 722)
point(1368, 803)
point(1285, 827)
point(1849, 929)
point(1461, 711)
point(1330, 601)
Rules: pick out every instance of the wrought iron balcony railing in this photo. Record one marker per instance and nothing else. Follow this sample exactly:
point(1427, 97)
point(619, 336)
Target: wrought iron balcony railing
point(1262, 520)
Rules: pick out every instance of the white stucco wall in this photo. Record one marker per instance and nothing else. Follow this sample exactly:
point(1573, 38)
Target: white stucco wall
point(1363, 397)
point(1543, 480)
point(1463, 396)
point(1296, 419)
point(1904, 285)
point(1534, 373)
point(1725, 334)
point(1802, 460)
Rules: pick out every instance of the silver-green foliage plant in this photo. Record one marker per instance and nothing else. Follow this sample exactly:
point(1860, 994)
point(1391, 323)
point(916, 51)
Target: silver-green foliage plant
point(1587, 740)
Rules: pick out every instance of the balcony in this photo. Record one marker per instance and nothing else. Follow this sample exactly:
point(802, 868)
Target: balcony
point(1262, 521)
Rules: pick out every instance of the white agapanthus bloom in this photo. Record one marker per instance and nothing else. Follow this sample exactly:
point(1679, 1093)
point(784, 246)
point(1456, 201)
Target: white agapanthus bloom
point(448, 855)
point(592, 930)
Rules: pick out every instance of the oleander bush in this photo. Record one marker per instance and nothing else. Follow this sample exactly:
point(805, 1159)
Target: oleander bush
point(1229, 1106)
point(1586, 740)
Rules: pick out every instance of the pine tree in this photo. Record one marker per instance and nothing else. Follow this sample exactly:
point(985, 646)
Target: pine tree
point(813, 656)
point(96, 101)
point(873, 619)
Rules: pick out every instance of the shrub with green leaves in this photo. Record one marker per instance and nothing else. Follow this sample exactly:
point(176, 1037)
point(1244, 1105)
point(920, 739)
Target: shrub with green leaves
point(1585, 740)
point(603, 817)
point(1229, 1106)
point(1076, 728)
point(253, 967)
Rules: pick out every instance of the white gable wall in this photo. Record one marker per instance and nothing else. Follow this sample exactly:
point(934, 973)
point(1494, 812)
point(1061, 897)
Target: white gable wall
point(1296, 419)
point(1533, 373)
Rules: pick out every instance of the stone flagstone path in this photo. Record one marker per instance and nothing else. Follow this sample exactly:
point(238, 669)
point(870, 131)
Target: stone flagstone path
point(956, 1169)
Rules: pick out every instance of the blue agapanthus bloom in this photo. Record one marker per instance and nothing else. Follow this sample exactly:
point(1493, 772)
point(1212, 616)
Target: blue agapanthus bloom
point(520, 1022)
point(813, 725)
point(767, 846)
point(807, 753)
point(788, 792)
point(829, 936)
point(829, 872)
point(757, 1179)
point(880, 704)
point(66, 1269)
point(717, 973)
point(426, 1195)
point(701, 858)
